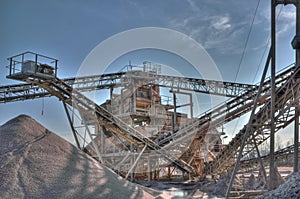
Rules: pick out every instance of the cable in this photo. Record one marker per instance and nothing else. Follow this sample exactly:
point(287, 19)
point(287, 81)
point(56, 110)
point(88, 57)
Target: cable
point(263, 55)
point(242, 57)
point(246, 43)
point(261, 60)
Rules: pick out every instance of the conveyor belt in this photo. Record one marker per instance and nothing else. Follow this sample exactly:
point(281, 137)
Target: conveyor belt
point(279, 155)
point(260, 125)
point(18, 92)
point(226, 112)
point(73, 97)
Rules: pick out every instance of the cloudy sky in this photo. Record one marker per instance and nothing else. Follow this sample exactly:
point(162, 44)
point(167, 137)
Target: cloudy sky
point(69, 30)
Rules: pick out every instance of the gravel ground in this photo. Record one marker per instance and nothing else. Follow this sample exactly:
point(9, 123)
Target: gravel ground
point(36, 163)
point(290, 189)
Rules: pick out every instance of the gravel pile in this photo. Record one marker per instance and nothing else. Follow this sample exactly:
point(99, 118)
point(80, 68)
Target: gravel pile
point(36, 163)
point(290, 189)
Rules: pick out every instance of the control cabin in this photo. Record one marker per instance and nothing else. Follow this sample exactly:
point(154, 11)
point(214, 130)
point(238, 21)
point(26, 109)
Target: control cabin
point(30, 64)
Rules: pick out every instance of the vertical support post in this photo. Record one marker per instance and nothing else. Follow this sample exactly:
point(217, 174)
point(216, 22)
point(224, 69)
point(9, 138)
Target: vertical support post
point(158, 169)
point(111, 90)
point(191, 103)
point(131, 174)
point(102, 137)
point(36, 61)
point(121, 111)
point(296, 140)
point(296, 131)
point(134, 96)
point(56, 68)
point(272, 115)
point(22, 59)
point(10, 65)
point(149, 169)
point(174, 123)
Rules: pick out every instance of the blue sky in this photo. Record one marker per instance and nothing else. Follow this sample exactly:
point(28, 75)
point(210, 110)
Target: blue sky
point(69, 30)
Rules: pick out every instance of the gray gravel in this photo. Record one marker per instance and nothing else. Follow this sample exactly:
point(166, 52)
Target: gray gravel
point(290, 189)
point(36, 163)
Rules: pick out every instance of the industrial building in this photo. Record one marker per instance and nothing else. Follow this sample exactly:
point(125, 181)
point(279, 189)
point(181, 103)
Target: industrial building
point(141, 135)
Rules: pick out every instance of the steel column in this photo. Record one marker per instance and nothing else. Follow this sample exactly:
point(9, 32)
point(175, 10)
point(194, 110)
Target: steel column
point(296, 142)
point(272, 115)
point(296, 130)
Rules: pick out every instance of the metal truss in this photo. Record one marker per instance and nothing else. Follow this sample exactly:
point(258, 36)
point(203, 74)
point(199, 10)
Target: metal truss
point(228, 89)
point(286, 101)
point(18, 92)
point(69, 91)
point(90, 111)
point(219, 115)
point(223, 113)
point(280, 155)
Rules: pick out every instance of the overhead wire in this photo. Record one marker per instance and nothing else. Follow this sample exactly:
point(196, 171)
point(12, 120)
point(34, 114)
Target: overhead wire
point(266, 47)
point(260, 63)
point(247, 40)
point(243, 55)
point(261, 59)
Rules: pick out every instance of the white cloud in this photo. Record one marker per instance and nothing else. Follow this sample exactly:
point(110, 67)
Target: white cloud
point(224, 28)
point(288, 15)
point(193, 6)
point(221, 23)
point(286, 22)
point(285, 19)
point(213, 31)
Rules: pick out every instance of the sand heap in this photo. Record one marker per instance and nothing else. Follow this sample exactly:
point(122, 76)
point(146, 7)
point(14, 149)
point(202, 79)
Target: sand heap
point(36, 163)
